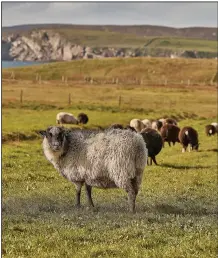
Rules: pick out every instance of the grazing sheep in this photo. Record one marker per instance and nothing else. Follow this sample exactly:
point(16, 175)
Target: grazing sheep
point(147, 123)
point(216, 126)
point(188, 136)
point(156, 125)
point(170, 121)
point(82, 118)
point(66, 118)
point(210, 130)
point(162, 120)
point(170, 133)
point(108, 159)
point(154, 143)
point(137, 124)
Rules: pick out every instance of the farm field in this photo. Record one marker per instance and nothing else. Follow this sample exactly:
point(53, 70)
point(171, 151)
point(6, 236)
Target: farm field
point(176, 209)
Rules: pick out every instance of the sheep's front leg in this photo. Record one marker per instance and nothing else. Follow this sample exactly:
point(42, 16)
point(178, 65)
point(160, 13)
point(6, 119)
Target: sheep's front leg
point(78, 193)
point(89, 194)
point(154, 159)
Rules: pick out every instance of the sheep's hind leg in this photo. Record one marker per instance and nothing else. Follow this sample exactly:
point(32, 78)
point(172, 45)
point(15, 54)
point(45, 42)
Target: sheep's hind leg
point(132, 191)
point(78, 194)
point(89, 195)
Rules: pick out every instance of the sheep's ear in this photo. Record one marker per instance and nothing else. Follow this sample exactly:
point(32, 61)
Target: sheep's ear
point(42, 133)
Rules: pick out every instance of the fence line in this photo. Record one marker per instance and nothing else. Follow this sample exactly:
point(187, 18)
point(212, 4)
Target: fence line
point(37, 78)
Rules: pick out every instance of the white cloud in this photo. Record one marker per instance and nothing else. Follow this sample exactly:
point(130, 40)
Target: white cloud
point(176, 14)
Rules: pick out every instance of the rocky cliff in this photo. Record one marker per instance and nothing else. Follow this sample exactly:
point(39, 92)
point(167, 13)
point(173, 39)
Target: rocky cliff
point(43, 45)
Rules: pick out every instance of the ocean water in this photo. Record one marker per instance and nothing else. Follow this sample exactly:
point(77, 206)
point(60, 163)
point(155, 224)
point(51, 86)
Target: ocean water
point(9, 64)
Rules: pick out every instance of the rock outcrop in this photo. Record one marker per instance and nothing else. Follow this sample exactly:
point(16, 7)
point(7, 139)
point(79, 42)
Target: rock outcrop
point(43, 45)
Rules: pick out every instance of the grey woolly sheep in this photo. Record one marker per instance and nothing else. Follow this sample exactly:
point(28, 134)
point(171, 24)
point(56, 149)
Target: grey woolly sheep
point(108, 159)
point(116, 126)
point(82, 118)
point(66, 118)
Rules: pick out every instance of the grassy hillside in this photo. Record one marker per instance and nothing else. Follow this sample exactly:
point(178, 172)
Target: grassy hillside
point(136, 30)
point(149, 70)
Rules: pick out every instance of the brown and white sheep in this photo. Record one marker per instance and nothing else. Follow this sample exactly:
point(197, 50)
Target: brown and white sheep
point(210, 130)
point(170, 133)
point(189, 136)
point(147, 123)
point(137, 124)
point(66, 118)
point(216, 126)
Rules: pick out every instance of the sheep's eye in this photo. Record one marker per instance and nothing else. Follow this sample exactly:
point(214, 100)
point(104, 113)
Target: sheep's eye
point(50, 134)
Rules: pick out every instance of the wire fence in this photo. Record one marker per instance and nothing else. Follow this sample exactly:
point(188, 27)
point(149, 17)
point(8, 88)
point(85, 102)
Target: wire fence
point(40, 79)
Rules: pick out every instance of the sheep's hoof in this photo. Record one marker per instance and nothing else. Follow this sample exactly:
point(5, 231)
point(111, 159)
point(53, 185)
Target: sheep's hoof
point(77, 206)
point(92, 208)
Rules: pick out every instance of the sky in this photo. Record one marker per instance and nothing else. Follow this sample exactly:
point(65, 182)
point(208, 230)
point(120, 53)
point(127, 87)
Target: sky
point(174, 14)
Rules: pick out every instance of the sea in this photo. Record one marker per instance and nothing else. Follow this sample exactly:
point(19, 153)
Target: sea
point(11, 64)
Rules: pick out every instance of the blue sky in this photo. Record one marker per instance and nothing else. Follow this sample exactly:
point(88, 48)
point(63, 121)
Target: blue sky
point(175, 14)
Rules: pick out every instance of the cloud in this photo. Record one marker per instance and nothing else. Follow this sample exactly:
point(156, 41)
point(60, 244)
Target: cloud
point(176, 14)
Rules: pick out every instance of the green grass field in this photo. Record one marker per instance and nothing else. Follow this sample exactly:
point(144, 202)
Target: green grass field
point(176, 209)
point(151, 70)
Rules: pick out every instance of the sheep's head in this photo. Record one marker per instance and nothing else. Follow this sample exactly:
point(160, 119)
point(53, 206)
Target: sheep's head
point(56, 137)
point(195, 146)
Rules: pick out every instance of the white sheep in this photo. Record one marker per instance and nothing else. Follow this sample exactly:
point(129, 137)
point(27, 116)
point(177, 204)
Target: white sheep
point(216, 126)
point(106, 159)
point(137, 124)
point(66, 118)
point(147, 123)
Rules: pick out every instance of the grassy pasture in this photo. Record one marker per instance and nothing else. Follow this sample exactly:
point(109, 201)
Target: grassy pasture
point(176, 206)
point(151, 70)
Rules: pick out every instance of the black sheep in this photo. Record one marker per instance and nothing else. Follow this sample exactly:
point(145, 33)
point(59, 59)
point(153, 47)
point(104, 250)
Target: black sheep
point(170, 133)
point(154, 143)
point(82, 118)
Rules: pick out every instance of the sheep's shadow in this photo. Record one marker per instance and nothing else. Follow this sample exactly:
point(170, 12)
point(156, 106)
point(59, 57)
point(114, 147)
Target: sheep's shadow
point(168, 165)
point(213, 150)
point(44, 207)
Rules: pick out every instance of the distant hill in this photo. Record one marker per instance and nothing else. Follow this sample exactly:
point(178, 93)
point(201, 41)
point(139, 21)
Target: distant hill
point(48, 42)
point(207, 33)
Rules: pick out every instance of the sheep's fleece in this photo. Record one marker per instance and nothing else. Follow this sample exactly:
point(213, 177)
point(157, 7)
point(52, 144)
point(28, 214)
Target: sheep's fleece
point(101, 159)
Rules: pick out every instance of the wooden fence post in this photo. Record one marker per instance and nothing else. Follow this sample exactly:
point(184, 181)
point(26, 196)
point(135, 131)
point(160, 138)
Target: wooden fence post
point(119, 101)
point(69, 99)
point(21, 96)
point(165, 83)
